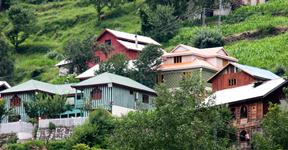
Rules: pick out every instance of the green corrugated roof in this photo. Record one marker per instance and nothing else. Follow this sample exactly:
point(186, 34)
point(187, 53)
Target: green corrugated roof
point(106, 78)
point(34, 85)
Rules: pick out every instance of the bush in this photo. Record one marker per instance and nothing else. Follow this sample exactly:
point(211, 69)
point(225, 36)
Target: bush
point(57, 145)
point(54, 55)
point(26, 146)
point(81, 147)
point(207, 38)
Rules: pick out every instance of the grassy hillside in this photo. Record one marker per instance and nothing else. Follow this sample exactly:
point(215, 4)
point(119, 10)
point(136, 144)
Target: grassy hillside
point(58, 22)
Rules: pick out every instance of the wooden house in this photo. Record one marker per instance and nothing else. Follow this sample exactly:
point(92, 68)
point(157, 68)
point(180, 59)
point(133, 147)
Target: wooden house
point(17, 95)
point(249, 104)
point(185, 61)
point(235, 75)
point(125, 43)
point(115, 93)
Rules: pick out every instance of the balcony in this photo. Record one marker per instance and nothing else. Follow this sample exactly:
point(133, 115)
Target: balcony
point(62, 122)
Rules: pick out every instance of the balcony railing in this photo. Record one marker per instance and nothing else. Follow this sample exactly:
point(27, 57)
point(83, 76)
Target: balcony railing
point(15, 127)
point(62, 122)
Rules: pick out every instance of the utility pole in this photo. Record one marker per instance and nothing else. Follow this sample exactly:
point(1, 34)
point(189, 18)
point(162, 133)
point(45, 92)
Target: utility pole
point(220, 12)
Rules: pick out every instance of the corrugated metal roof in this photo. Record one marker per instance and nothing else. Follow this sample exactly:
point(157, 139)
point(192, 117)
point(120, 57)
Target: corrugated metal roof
point(131, 37)
point(132, 46)
point(245, 92)
point(62, 62)
point(91, 71)
point(257, 72)
point(34, 85)
point(106, 78)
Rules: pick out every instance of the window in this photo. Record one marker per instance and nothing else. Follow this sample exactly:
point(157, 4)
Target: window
point(177, 59)
point(15, 101)
point(160, 78)
point(145, 98)
point(96, 94)
point(232, 82)
point(243, 136)
point(79, 96)
point(14, 118)
point(78, 115)
point(108, 42)
point(243, 112)
point(71, 115)
point(131, 92)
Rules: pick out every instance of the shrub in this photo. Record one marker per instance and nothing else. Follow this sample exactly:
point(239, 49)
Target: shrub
point(206, 38)
point(57, 145)
point(54, 55)
point(81, 147)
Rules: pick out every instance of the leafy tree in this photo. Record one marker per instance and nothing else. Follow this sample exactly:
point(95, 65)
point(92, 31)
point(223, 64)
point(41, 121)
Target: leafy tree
point(180, 6)
point(22, 21)
point(5, 4)
point(146, 65)
point(79, 53)
point(4, 111)
point(104, 48)
point(96, 131)
point(6, 64)
point(116, 64)
point(206, 38)
point(44, 105)
point(275, 133)
point(180, 121)
point(159, 24)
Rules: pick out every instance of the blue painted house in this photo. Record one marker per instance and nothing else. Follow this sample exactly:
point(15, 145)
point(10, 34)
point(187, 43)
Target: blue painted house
point(115, 93)
point(17, 95)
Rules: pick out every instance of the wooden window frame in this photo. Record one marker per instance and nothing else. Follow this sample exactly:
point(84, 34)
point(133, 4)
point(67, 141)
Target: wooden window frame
point(15, 101)
point(145, 98)
point(108, 42)
point(96, 94)
point(177, 59)
point(242, 114)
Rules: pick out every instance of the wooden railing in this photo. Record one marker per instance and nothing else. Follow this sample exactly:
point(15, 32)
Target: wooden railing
point(62, 122)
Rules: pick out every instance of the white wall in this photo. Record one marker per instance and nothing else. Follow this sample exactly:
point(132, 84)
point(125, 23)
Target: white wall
point(119, 111)
point(64, 122)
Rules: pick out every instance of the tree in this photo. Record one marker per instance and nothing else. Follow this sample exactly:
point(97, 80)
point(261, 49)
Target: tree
point(96, 131)
point(6, 64)
point(79, 53)
point(4, 111)
point(5, 4)
point(159, 24)
point(116, 64)
point(44, 105)
point(22, 21)
point(146, 65)
point(207, 38)
point(179, 121)
point(275, 133)
point(180, 6)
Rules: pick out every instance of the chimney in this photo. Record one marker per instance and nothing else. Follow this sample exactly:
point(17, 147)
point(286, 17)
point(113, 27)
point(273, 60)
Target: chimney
point(136, 41)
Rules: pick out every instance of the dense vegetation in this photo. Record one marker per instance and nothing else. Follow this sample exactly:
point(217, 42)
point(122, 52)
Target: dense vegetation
point(57, 22)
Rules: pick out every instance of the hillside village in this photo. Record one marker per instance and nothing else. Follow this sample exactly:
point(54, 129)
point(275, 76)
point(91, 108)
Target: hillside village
point(124, 86)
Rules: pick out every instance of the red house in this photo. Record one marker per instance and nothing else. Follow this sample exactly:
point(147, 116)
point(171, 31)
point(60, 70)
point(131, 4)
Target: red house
point(121, 42)
point(247, 91)
point(235, 75)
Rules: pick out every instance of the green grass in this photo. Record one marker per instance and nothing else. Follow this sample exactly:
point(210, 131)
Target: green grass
point(57, 22)
point(268, 53)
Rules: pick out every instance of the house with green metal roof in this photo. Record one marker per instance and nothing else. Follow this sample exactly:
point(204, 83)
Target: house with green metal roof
point(17, 95)
point(115, 93)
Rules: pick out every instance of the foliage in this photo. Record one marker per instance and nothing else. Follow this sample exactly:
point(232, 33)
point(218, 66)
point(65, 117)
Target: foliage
point(65, 79)
point(4, 112)
point(22, 21)
point(96, 131)
point(81, 147)
point(6, 64)
point(57, 145)
point(146, 65)
point(275, 134)
point(51, 128)
point(79, 53)
point(274, 8)
point(159, 24)
point(178, 122)
point(116, 64)
point(104, 48)
point(27, 145)
point(5, 4)
point(207, 39)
